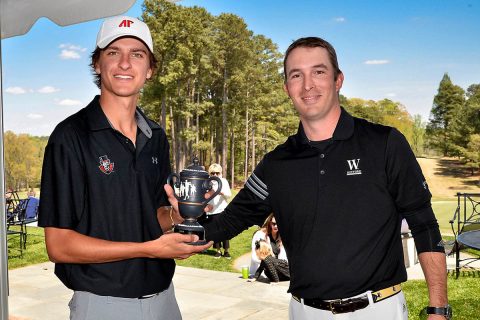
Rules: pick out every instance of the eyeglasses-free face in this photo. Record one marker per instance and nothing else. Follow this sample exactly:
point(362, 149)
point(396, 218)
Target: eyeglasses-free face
point(215, 173)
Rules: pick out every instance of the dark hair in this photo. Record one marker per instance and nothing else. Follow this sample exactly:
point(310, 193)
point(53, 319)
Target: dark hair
point(313, 42)
point(95, 56)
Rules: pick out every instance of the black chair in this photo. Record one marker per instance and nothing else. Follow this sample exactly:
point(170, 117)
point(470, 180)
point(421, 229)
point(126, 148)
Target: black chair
point(466, 219)
point(16, 216)
point(11, 214)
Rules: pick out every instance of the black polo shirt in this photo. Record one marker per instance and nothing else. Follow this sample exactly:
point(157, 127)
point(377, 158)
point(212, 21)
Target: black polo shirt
point(338, 205)
point(96, 182)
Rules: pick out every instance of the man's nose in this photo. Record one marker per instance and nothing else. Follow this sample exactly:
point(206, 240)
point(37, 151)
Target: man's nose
point(124, 62)
point(308, 83)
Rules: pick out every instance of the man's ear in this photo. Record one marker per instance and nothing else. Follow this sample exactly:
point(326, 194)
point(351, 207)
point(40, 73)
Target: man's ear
point(285, 88)
point(339, 81)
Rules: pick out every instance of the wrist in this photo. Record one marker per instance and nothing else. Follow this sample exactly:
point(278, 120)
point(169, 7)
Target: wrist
point(445, 311)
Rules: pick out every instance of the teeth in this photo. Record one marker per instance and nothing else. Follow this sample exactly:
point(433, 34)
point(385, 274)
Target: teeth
point(123, 77)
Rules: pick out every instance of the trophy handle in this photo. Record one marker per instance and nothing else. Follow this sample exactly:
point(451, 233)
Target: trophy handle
point(174, 183)
point(219, 189)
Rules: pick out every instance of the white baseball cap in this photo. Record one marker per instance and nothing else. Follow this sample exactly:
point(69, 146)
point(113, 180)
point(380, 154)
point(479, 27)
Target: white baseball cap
point(123, 26)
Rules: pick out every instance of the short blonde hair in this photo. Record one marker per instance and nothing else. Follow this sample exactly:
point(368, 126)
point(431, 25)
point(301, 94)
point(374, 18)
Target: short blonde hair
point(215, 167)
point(263, 249)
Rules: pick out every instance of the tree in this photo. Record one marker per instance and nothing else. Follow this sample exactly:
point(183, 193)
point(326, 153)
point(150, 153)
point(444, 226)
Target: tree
point(23, 160)
point(446, 105)
point(418, 134)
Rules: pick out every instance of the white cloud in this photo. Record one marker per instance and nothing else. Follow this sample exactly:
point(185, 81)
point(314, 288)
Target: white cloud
point(339, 19)
point(34, 116)
point(16, 90)
point(391, 94)
point(69, 103)
point(72, 47)
point(69, 54)
point(70, 51)
point(377, 62)
point(48, 89)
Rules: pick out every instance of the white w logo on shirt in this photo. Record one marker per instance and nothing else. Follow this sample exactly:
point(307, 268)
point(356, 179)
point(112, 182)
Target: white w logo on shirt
point(353, 164)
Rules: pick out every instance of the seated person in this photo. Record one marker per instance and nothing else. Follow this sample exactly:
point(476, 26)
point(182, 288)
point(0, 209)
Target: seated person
point(269, 233)
point(32, 205)
point(275, 269)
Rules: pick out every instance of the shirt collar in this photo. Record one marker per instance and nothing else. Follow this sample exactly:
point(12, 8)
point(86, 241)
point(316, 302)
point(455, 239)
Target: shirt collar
point(99, 121)
point(343, 130)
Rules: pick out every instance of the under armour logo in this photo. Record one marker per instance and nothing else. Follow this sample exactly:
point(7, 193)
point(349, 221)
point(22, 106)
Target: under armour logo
point(354, 167)
point(154, 160)
point(125, 23)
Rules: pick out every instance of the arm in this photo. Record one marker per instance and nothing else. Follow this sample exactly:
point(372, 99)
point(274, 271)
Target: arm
point(435, 270)
point(410, 191)
point(259, 270)
point(167, 218)
point(226, 192)
point(69, 246)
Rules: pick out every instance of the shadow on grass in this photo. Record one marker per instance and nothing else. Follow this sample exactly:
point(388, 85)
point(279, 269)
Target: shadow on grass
point(456, 169)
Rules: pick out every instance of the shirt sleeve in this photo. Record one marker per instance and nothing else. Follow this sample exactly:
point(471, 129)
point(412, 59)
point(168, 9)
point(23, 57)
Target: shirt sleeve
point(63, 183)
point(249, 207)
point(410, 192)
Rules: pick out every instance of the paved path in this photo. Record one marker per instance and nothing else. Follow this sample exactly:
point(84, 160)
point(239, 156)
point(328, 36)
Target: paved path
point(35, 293)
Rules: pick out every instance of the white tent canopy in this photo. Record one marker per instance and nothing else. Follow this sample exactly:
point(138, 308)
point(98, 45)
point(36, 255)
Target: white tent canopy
point(16, 18)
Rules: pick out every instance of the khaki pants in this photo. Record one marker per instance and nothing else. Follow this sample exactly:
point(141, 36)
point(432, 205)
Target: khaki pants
point(393, 308)
point(88, 306)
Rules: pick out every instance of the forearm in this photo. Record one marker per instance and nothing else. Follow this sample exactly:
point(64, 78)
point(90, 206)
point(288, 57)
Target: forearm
point(69, 246)
point(435, 270)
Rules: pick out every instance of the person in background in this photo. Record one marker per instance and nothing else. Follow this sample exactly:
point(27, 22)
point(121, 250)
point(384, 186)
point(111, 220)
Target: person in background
point(268, 233)
point(339, 188)
point(106, 216)
point(276, 270)
point(219, 203)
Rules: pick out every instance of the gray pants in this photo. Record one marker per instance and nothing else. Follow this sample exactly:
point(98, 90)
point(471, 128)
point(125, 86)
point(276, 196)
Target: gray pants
point(393, 308)
point(88, 306)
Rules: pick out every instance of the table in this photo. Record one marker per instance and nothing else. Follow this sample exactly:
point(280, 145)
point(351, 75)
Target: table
point(470, 239)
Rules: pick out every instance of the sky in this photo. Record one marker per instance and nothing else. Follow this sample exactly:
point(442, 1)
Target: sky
point(398, 50)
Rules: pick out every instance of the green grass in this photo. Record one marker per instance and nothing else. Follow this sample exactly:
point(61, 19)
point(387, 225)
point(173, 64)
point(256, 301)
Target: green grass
point(34, 253)
point(444, 211)
point(463, 296)
point(239, 245)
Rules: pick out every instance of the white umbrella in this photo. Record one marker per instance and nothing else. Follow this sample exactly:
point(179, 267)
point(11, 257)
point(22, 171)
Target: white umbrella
point(16, 18)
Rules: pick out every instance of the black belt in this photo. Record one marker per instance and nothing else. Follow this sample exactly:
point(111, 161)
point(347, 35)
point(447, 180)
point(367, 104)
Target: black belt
point(351, 304)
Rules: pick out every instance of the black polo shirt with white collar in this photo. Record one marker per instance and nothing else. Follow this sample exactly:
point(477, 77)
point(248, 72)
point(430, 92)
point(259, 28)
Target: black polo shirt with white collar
point(96, 182)
point(338, 205)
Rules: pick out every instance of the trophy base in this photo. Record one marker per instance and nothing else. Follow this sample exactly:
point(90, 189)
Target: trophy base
point(192, 228)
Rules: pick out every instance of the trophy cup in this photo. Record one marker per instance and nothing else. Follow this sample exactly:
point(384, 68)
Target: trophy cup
point(190, 189)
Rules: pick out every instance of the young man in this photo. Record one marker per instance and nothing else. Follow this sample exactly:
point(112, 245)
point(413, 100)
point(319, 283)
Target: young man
point(103, 206)
point(339, 189)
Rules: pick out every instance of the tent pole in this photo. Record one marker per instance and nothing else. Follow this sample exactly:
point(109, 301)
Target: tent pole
point(3, 227)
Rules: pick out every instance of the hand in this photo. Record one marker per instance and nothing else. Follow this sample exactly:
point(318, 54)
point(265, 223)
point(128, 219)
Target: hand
point(174, 246)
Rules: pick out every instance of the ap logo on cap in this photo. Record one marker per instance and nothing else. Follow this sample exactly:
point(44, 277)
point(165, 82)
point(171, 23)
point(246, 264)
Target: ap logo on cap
point(122, 26)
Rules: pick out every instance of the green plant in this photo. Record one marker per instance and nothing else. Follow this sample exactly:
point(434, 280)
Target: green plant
point(462, 296)
point(34, 253)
